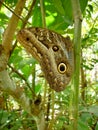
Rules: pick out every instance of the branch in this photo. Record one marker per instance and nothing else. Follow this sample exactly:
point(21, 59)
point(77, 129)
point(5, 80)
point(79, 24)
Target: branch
point(1, 1)
point(10, 30)
point(8, 86)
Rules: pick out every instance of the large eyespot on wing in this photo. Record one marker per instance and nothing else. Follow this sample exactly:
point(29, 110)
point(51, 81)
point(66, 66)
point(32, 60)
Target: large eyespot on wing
point(62, 68)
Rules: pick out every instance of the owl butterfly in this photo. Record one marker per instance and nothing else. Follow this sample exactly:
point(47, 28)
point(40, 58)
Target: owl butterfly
point(53, 52)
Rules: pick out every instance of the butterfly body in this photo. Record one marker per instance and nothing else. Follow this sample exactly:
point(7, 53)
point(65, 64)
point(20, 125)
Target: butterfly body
point(53, 52)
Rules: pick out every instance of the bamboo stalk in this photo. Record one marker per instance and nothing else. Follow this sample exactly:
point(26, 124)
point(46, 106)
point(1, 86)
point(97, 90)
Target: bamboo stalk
point(77, 60)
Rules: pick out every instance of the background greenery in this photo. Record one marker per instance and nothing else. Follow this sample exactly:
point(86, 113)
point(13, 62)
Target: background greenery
point(26, 73)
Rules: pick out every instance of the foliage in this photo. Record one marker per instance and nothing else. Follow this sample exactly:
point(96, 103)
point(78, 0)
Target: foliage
point(15, 120)
point(26, 73)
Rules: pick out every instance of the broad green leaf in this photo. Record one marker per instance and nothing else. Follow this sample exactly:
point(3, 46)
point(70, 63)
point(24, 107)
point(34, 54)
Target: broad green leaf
point(64, 8)
point(83, 4)
point(67, 10)
point(59, 6)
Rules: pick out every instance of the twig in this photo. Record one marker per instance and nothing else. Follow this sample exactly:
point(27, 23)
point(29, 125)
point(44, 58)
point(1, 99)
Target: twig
point(29, 13)
point(11, 10)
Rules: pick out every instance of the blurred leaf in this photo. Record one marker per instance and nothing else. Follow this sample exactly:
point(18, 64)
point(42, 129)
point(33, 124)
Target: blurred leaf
point(83, 4)
point(93, 110)
point(86, 116)
point(82, 125)
point(38, 88)
point(64, 10)
point(26, 66)
point(62, 118)
point(3, 16)
point(96, 128)
point(87, 67)
point(94, 60)
point(90, 7)
point(3, 19)
point(3, 116)
point(59, 6)
point(11, 2)
point(26, 70)
point(15, 57)
point(37, 17)
point(28, 61)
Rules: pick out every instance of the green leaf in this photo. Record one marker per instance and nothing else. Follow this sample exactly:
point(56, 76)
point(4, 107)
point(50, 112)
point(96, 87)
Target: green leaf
point(28, 61)
point(82, 125)
point(15, 57)
point(64, 9)
point(38, 88)
point(3, 116)
point(37, 16)
point(59, 6)
point(3, 19)
point(83, 4)
point(86, 116)
point(11, 2)
point(90, 7)
point(96, 128)
point(3, 16)
point(27, 70)
point(94, 110)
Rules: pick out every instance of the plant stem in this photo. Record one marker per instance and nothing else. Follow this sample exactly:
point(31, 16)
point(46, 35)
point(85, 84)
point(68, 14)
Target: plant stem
point(77, 58)
point(43, 13)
